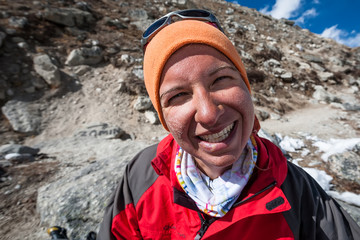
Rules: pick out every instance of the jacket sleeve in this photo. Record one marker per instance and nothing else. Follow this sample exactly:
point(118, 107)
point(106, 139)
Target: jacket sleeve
point(314, 214)
point(120, 220)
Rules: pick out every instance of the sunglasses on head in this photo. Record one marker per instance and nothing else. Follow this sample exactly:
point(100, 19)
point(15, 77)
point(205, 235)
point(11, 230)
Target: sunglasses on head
point(192, 14)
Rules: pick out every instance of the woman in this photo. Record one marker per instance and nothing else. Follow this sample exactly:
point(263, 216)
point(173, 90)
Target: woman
point(212, 177)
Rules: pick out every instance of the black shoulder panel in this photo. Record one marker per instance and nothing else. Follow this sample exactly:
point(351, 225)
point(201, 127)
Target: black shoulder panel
point(141, 175)
point(313, 213)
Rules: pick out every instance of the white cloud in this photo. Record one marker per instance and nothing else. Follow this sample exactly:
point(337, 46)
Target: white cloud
point(342, 36)
point(282, 8)
point(316, 2)
point(307, 14)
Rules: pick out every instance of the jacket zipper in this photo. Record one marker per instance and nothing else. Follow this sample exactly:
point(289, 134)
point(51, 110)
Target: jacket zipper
point(205, 224)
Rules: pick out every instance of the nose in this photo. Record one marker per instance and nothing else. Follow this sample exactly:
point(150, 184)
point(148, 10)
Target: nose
point(208, 110)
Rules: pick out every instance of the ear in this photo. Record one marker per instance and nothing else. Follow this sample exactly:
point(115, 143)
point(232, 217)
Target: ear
point(256, 126)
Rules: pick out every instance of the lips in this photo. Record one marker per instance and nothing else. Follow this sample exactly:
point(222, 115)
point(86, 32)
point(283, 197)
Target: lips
point(218, 137)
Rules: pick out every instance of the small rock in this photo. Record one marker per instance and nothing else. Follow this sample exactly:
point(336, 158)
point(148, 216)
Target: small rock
point(263, 115)
point(127, 59)
point(22, 117)
point(321, 94)
point(298, 46)
point(304, 66)
point(275, 116)
point(345, 165)
point(138, 14)
point(287, 77)
point(23, 45)
point(84, 56)
point(271, 63)
point(288, 22)
point(317, 67)
point(19, 149)
point(313, 58)
point(81, 70)
point(142, 103)
point(19, 158)
point(138, 72)
point(278, 71)
point(47, 70)
point(151, 117)
point(115, 23)
point(18, 22)
point(229, 11)
point(325, 76)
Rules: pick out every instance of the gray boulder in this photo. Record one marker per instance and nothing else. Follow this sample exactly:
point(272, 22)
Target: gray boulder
point(271, 63)
point(77, 201)
point(16, 148)
point(142, 103)
point(151, 117)
point(70, 17)
point(287, 77)
point(325, 76)
point(346, 165)
point(84, 56)
point(23, 117)
point(322, 95)
point(18, 22)
point(313, 58)
point(47, 70)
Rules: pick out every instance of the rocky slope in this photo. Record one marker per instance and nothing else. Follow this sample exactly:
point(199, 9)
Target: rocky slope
point(71, 86)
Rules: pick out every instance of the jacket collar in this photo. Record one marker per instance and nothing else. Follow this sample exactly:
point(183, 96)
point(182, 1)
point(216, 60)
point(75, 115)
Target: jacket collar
point(269, 167)
point(262, 194)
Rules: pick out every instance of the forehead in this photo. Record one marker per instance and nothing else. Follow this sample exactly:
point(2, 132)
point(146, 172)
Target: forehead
point(195, 50)
point(184, 56)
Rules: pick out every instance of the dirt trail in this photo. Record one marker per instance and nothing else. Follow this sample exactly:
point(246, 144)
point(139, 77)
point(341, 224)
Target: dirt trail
point(321, 120)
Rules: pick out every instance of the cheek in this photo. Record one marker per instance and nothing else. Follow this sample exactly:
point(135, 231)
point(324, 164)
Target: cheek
point(244, 106)
point(176, 122)
point(242, 101)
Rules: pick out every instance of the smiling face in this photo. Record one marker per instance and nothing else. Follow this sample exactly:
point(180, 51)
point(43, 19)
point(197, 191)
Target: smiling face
point(206, 106)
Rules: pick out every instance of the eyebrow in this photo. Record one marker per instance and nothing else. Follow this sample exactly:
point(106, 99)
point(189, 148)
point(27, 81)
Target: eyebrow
point(171, 90)
point(214, 71)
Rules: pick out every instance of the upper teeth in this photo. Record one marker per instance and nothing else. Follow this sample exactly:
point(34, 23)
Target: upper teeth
point(218, 137)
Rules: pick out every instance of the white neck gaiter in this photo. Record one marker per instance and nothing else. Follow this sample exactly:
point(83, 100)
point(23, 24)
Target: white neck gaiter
point(215, 197)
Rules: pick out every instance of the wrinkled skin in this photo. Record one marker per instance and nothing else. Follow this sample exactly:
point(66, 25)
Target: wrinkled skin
point(201, 94)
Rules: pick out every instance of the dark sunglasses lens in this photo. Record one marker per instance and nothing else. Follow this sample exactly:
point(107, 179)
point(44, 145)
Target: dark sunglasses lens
point(194, 13)
point(152, 28)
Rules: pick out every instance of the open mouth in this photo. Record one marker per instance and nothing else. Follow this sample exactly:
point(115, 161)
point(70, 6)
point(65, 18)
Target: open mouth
point(218, 137)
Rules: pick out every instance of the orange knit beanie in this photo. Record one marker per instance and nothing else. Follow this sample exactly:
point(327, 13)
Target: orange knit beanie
point(172, 38)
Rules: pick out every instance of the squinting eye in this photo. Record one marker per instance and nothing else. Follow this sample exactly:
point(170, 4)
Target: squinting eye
point(176, 96)
point(219, 79)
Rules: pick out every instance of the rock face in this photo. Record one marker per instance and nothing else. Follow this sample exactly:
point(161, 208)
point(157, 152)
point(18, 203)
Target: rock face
point(70, 17)
point(346, 165)
point(24, 118)
point(77, 200)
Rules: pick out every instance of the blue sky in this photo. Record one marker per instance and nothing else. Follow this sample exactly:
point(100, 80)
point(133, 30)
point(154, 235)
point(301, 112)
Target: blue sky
point(339, 20)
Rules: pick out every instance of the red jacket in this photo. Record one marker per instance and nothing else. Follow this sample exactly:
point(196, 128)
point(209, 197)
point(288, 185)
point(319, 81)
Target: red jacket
point(280, 201)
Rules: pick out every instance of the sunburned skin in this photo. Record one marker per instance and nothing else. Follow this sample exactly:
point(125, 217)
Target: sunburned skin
point(206, 106)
